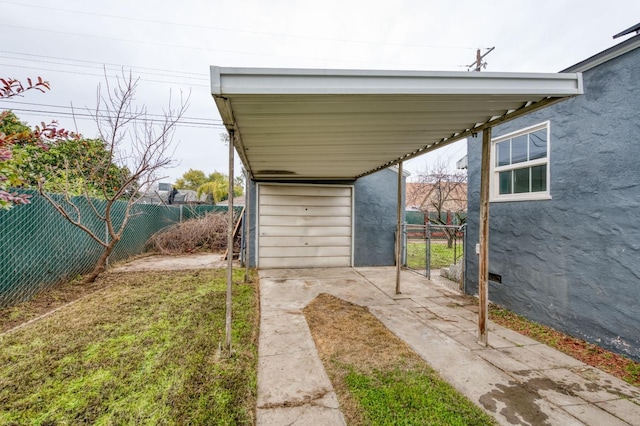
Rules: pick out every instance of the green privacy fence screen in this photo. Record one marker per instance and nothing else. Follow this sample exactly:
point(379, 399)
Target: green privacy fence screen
point(417, 217)
point(414, 217)
point(39, 248)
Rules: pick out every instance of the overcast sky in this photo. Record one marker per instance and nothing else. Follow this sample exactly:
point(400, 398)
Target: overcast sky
point(170, 46)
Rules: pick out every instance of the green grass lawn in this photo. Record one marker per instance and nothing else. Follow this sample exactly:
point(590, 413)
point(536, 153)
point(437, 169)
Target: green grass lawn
point(441, 255)
point(142, 351)
point(414, 396)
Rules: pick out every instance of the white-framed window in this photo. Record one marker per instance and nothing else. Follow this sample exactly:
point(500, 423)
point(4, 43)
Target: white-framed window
point(520, 165)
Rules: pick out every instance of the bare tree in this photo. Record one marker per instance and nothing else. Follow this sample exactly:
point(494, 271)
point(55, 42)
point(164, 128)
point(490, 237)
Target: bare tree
point(440, 191)
point(137, 146)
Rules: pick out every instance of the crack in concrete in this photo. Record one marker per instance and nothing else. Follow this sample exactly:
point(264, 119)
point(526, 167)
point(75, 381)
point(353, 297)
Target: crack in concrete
point(285, 353)
point(306, 400)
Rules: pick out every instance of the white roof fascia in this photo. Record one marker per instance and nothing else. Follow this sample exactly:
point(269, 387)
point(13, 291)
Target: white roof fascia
point(256, 81)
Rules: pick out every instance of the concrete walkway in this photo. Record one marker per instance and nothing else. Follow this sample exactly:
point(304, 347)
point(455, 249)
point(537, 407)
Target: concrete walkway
point(515, 379)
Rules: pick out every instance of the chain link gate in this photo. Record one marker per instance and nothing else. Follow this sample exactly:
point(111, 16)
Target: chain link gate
point(433, 248)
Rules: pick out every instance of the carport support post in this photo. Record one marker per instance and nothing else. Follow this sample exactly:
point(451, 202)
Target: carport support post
point(247, 226)
point(399, 229)
point(229, 246)
point(483, 269)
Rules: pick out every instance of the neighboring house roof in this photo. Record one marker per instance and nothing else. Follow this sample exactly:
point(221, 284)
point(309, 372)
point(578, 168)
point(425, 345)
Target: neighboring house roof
point(422, 196)
point(185, 196)
point(344, 124)
point(633, 29)
point(463, 163)
point(237, 201)
point(608, 54)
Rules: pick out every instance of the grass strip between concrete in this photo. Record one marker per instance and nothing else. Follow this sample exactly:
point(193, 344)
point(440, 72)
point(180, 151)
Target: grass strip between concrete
point(379, 380)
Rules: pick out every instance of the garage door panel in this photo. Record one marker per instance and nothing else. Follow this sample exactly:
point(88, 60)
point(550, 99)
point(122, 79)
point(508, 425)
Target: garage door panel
point(304, 251)
point(305, 231)
point(302, 262)
point(306, 211)
point(302, 190)
point(304, 226)
point(303, 221)
point(299, 200)
point(305, 242)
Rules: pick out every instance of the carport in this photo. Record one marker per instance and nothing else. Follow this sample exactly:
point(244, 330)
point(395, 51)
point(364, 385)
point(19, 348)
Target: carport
point(300, 125)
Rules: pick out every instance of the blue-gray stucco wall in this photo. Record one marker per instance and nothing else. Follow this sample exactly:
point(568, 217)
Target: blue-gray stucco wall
point(573, 262)
point(375, 218)
point(375, 209)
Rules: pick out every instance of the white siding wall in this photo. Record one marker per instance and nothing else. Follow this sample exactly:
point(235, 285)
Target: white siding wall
point(303, 226)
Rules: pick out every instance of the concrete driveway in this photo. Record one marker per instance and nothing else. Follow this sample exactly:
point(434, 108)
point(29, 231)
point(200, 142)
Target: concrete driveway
point(515, 379)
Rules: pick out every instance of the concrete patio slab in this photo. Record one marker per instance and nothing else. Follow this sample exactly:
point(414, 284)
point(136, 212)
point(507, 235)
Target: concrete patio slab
point(515, 379)
point(282, 331)
point(294, 378)
point(514, 337)
point(623, 409)
point(589, 414)
point(541, 357)
point(501, 361)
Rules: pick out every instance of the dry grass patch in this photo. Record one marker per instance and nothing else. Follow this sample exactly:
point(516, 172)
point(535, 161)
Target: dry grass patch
point(377, 377)
point(47, 301)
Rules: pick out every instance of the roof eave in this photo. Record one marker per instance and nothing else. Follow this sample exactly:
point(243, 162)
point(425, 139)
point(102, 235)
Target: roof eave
point(230, 83)
point(605, 56)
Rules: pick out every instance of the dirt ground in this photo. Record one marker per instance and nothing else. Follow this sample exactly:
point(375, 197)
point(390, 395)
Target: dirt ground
point(173, 263)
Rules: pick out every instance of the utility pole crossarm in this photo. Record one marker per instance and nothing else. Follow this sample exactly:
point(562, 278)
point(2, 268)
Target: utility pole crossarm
point(478, 62)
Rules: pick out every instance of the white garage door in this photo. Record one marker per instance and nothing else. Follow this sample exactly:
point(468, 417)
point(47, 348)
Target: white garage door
point(304, 226)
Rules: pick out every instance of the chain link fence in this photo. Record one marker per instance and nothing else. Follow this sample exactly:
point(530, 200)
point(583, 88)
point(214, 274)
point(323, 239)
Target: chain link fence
point(39, 248)
point(435, 250)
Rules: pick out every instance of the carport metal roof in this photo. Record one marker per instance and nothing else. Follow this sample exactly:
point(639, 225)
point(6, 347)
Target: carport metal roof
point(300, 124)
point(292, 124)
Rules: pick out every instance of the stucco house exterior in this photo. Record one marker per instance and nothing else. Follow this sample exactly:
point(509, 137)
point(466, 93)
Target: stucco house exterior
point(564, 204)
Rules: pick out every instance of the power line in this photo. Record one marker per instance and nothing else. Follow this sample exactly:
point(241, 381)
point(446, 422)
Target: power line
point(88, 117)
point(102, 114)
point(40, 61)
point(13, 101)
point(99, 75)
point(177, 46)
point(260, 33)
point(102, 63)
